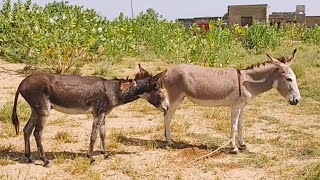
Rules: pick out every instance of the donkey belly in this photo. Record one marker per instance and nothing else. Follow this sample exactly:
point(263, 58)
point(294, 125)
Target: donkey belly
point(72, 110)
point(210, 102)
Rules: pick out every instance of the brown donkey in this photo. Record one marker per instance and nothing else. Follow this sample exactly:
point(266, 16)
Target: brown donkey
point(228, 87)
point(81, 95)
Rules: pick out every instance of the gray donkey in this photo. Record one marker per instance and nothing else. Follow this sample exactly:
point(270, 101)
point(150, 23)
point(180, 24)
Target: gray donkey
point(81, 95)
point(229, 87)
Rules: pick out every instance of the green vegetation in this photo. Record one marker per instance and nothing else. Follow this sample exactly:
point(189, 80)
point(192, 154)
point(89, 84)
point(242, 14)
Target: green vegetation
point(62, 37)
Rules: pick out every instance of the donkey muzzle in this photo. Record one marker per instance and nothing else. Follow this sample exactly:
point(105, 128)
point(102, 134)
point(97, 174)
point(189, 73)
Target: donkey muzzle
point(293, 101)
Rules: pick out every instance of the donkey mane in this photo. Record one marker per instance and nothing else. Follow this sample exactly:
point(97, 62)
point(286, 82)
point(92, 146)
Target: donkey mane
point(265, 63)
point(142, 75)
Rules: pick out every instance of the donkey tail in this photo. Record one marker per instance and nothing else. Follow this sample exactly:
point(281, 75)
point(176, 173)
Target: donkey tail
point(14, 117)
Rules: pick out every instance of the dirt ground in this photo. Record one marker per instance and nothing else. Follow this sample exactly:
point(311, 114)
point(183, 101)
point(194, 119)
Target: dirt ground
point(282, 140)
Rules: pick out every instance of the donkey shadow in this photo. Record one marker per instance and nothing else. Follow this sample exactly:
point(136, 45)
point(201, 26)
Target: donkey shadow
point(176, 145)
point(163, 144)
point(20, 157)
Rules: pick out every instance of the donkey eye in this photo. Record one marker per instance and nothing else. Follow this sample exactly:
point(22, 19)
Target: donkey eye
point(289, 79)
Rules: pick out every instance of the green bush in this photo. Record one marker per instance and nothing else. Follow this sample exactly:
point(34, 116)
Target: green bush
point(261, 36)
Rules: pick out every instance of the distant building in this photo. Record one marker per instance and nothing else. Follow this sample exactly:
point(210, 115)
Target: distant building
point(281, 18)
point(247, 14)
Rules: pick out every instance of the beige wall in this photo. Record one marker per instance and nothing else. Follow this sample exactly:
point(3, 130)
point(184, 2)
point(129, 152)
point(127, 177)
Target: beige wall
point(300, 18)
point(258, 13)
point(312, 20)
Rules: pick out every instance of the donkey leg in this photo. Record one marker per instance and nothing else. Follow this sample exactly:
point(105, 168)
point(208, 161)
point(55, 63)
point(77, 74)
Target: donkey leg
point(242, 145)
point(41, 121)
point(96, 123)
point(174, 103)
point(235, 113)
point(102, 131)
point(27, 130)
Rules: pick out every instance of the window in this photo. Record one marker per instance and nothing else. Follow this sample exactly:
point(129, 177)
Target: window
point(246, 21)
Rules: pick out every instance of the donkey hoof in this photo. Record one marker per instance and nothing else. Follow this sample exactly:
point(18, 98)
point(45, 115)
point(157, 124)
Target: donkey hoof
point(45, 163)
point(170, 143)
point(243, 147)
point(30, 160)
point(92, 160)
point(105, 155)
point(234, 151)
point(89, 156)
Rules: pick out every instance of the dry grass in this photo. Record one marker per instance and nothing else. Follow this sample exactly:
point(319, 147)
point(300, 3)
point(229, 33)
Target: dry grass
point(311, 172)
point(282, 140)
point(115, 137)
point(5, 161)
point(5, 148)
point(65, 137)
point(78, 166)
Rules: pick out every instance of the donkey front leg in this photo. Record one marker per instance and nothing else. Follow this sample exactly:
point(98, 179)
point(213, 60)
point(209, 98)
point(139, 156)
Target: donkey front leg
point(97, 120)
point(235, 113)
point(174, 103)
point(102, 131)
point(242, 145)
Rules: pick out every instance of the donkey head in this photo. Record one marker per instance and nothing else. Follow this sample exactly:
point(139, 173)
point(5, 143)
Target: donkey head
point(154, 95)
point(285, 80)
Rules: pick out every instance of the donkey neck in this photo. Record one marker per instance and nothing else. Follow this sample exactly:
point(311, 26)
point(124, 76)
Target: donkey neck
point(123, 97)
point(259, 79)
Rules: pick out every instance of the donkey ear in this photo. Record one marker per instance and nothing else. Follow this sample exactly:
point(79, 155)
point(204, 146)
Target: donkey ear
point(291, 59)
point(142, 71)
point(274, 60)
point(134, 83)
point(156, 77)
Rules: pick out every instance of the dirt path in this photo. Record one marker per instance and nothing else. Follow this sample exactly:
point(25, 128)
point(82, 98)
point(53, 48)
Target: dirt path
point(276, 137)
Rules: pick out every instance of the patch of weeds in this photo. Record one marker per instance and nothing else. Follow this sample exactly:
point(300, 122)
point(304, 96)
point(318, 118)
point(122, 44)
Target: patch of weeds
point(142, 106)
point(112, 115)
point(270, 119)
point(277, 141)
point(61, 158)
point(220, 118)
point(180, 127)
point(115, 164)
point(6, 148)
point(62, 121)
point(258, 160)
point(8, 131)
point(223, 166)
point(80, 165)
point(311, 172)
point(104, 68)
point(57, 122)
point(208, 140)
point(115, 137)
point(91, 175)
point(5, 161)
point(23, 111)
point(140, 131)
point(254, 140)
point(65, 137)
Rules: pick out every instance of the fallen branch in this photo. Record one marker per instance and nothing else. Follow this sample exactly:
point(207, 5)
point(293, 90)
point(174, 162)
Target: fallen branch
point(209, 154)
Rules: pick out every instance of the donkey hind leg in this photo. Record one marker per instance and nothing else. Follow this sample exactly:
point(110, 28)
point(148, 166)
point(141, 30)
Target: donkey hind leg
point(242, 145)
point(235, 113)
point(97, 120)
point(42, 116)
point(174, 104)
point(102, 131)
point(27, 130)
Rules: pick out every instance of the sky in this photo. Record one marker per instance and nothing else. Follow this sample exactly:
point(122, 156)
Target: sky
point(173, 9)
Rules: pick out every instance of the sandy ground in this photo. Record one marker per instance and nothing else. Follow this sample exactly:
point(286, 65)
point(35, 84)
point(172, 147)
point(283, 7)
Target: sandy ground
point(275, 134)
